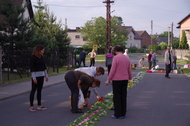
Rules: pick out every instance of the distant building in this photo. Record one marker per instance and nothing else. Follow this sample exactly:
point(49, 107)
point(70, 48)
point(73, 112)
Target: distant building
point(184, 25)
point(134, 39)
point(76, 37)
point(145, 39)
point(28, 12)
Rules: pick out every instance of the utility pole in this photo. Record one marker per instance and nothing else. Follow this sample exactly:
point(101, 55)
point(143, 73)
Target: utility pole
point(65, 23)
point(151, 30)
point(108, 24)
point(169, 44)
point(172, 34)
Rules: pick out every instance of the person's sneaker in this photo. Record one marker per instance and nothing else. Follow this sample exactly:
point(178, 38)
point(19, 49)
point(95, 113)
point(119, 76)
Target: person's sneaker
point(31, 109)
point(114, 117)
point(41, 108)
point(167, 76)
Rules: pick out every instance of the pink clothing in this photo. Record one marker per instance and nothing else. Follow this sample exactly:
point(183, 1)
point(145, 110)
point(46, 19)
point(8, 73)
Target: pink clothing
point(109, 55)
point(121, 68)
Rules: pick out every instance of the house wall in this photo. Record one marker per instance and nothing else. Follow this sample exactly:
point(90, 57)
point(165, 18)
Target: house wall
point(26, 13)
point(185, 26)
point(187, 32)
point(131, 42)
point(146, 39)
point(76, 39)
point(180, 53)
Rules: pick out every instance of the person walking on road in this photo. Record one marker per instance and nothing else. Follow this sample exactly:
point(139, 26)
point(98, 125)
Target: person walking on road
point(109, 58)
point(149, 60)
point(120, 73)
point(82, 58)
point(168, 60)
point(154, 60)
point(79, 80)
point(92, 57)
point(174, 62)
point(38, 71)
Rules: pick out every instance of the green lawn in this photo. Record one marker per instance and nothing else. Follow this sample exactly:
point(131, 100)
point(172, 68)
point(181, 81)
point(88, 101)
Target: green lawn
point(14, 77)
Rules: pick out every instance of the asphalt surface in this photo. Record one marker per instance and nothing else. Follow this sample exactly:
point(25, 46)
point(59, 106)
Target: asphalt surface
point(154, 101)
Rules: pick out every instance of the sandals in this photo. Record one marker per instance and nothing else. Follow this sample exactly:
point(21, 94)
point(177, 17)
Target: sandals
point(32, 109)
point(41, 108)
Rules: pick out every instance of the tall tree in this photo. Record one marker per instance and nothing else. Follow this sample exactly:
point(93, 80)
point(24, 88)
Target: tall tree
point(163, 45)
point(165, 34)
point(94, 32)
point(175, 43)
point(49, 32)
point(12, 23)
point(183, 43)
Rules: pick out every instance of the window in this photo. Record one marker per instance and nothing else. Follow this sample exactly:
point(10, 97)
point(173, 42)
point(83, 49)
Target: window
point(77, 36)
point(130, 37)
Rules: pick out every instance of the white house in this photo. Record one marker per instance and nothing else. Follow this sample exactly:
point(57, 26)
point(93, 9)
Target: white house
point(76, 38)
point(134, 39)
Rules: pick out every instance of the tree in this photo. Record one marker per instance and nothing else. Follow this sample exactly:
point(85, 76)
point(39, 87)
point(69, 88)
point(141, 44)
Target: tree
point(154, 38)
point(95, 32)
point(183, 43)
point(165, 34)
point(153, 47)
point(49, 33)
point(118, 20)
point(14, 25)
point(175, 43)
point(163, 45)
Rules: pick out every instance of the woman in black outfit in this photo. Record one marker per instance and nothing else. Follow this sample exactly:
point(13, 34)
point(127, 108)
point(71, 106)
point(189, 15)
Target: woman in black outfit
point(38, 71)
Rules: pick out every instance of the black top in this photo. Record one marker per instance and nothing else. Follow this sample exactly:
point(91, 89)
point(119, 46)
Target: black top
point(86, 81)
point(37, 64)
point(82, 55)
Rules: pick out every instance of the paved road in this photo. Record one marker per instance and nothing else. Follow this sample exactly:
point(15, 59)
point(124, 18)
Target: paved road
point(155, 101)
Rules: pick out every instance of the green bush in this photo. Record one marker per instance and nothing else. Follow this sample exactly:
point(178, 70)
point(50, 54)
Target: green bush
point(135, 50)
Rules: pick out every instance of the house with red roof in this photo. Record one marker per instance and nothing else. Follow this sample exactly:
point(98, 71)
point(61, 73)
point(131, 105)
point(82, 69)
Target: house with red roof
point(146, 39)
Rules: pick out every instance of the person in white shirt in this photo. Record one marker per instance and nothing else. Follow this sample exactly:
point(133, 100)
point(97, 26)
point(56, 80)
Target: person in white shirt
point(141, 63)
point(126, 52)
point(92, 71)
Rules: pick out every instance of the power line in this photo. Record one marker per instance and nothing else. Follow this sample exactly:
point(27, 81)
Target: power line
point(72, 6)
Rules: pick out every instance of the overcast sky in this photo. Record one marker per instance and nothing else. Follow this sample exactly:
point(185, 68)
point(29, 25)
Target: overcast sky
point(135, 13)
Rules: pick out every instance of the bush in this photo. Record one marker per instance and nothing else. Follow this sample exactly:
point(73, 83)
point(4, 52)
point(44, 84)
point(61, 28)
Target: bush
point(135, 50)
point(154, 47)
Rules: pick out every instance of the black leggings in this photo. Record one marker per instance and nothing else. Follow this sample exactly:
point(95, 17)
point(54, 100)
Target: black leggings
point(72, 84)
point(92, 61)
point(120, 97)
point(38, 87)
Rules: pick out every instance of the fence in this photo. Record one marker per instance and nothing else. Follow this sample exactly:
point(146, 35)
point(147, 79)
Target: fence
point(19, 62)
